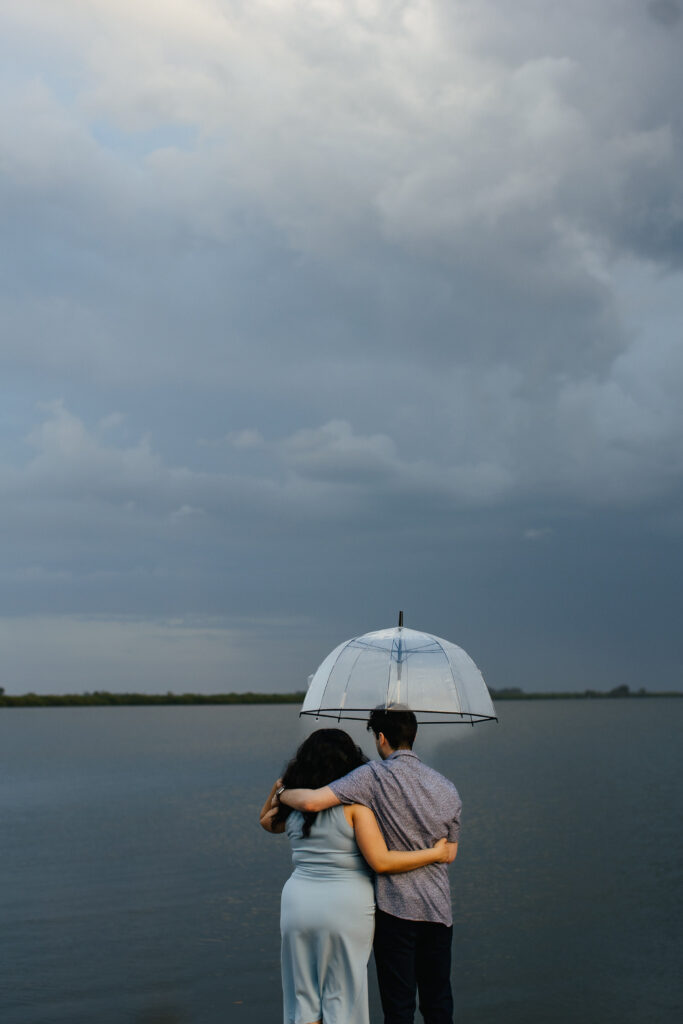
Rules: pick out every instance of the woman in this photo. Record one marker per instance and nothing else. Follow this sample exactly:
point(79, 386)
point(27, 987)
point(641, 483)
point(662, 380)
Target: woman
point(328, 903)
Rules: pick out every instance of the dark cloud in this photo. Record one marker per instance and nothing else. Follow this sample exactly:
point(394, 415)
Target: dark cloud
point(666, 12)
point(309, 312)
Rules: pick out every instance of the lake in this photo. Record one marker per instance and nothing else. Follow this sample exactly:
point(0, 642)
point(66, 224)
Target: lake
point(137, 886)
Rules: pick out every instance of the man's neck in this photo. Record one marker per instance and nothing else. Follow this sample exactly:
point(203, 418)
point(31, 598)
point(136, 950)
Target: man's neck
point(389, 751)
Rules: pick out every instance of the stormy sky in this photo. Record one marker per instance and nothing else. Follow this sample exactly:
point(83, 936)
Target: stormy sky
point(313, 310)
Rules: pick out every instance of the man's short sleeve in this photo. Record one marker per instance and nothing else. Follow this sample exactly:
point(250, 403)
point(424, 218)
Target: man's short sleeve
point(454, 826)
point(357, 787)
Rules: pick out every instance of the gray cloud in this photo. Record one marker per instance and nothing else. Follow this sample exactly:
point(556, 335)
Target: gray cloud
point(306, 306)
point(666, 12)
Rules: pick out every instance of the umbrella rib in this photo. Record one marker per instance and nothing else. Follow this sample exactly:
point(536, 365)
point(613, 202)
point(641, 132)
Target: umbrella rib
point(348, 680)
point(391, 651)
point(450, 669)
point(329, 674)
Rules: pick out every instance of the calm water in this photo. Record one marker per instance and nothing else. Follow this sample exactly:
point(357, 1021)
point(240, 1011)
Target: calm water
point(136, 885)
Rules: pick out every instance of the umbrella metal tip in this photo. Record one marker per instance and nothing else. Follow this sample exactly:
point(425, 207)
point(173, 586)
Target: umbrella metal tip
point(400, 620)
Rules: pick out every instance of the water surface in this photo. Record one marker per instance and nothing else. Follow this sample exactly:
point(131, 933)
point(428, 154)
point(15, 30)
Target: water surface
point(137, 886)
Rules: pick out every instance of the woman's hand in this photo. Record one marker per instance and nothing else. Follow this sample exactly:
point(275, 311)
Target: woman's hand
point(266, 822)
point(275, 799)
point(447, 851)
point(270, 809)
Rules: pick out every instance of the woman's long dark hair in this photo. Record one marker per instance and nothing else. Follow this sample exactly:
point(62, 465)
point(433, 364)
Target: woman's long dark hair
point(326, 755)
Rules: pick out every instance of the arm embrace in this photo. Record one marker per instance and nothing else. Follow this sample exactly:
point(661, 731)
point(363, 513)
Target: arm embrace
point(368, 835)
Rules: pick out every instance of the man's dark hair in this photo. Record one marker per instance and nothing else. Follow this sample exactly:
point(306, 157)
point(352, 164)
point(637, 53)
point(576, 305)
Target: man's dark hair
point(399, 727)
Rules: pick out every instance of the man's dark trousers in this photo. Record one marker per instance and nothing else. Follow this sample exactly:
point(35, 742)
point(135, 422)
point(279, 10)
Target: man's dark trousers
point(410, 955)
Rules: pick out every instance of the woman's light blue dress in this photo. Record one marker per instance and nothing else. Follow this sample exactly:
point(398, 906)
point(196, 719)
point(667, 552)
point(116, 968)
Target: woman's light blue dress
point(327, 918)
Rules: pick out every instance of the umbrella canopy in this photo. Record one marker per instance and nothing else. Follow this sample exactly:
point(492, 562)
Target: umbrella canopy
point(399, 667)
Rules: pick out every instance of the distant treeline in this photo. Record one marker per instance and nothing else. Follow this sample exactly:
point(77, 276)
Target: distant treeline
point(513, 693)
point(102, 698)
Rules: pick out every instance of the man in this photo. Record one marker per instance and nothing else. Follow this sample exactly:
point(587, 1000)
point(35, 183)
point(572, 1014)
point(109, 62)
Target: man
point(414, 806)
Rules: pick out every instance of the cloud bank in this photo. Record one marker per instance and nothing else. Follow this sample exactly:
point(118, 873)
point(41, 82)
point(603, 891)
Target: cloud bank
point(311, 310)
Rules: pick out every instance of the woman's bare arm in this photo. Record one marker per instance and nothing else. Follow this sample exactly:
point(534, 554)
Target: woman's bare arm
point(373, 847)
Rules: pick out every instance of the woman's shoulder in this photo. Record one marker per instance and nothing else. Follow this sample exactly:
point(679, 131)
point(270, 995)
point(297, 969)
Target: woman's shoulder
point(331, 817)
point(342, 817)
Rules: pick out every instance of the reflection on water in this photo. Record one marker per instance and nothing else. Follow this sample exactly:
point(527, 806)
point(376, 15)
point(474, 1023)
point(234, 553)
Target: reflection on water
point(138, 887)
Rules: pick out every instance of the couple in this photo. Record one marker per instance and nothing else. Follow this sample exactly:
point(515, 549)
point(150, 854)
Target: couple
point(328, 904)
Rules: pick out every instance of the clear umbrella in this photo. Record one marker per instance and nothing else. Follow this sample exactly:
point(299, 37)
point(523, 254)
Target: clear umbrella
point(399, 667)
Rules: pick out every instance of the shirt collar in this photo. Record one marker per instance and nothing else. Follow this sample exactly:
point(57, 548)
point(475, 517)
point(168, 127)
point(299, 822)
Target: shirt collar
point(403, 753)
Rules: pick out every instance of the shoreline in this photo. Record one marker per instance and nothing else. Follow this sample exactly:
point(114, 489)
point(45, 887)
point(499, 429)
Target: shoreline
point(101, 698)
